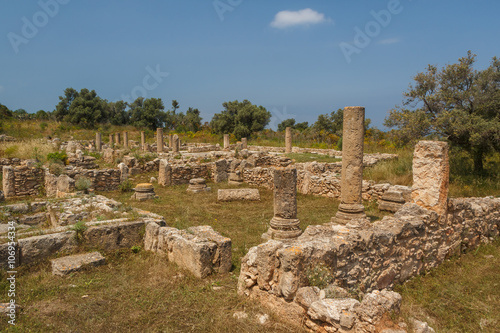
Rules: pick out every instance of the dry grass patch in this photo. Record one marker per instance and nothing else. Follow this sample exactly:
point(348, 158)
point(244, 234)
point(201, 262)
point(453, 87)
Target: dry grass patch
point(461, 295)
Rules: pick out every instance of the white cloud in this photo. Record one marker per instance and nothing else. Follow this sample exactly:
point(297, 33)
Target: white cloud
point(389, 41)
point(286, 18)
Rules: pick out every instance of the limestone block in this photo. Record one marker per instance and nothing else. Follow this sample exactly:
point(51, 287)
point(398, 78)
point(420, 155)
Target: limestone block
point(189, 251)
point(431, 175)
point(329, 310)
point(222, 257)
point(65, 184)
point(115, 236)
point(36, 248)
point(164, 173)
point(33, 219)
point(241, 194)
point(8, 180)
point(69, 264)
point(306, 296)
point(375, 304)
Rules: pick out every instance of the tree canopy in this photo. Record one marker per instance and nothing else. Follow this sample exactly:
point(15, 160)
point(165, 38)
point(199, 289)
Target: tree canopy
point(457, 103)
point(291, 123)
point(240, 118)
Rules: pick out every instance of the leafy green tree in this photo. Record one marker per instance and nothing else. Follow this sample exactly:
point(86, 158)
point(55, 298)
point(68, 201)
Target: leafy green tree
point(21, 114)
point(87, 109)
point(330, 123)
point(175, 105)
point(301, 126)
point(5, 112)
point(286, 123)
point(62, 108)
point(42, 115)
point(457, 103)
point(291, 123)
point(118, 114)
point(240, 118)
point(192, 120)
point(147, 113)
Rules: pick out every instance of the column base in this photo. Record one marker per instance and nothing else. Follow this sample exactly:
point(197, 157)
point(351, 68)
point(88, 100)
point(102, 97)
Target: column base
point(283, 229)
point(348, 212)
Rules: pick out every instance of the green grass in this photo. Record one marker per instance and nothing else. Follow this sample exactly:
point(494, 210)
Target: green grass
point(308, 157)
point(396, 171)
point(462, 295)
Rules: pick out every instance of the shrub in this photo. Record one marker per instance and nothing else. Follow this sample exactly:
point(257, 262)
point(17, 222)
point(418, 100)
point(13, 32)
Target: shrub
point(58, 156)
point(83, 184)
point(136, 248)
point(56, 168)
point(79, 229)
point(319, 276)
point(126, 186)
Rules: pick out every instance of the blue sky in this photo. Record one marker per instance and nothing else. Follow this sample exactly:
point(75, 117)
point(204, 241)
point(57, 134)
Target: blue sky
point(285, 55)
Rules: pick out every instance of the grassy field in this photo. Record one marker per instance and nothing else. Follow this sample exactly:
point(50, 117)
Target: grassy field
point(143, 292)
point(462, 295)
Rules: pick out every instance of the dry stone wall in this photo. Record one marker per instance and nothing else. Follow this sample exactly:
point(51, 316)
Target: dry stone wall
point(22, 180)
point(370, 256)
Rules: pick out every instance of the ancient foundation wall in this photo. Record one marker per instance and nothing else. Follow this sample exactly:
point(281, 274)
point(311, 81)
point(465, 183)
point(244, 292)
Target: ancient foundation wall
point(371, 256)
point(22, 180)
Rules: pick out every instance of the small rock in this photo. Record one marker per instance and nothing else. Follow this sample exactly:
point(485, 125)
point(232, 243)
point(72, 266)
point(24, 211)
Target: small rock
point(153, 180)
point(421, 327)
point(262, 318)
point(240, 315)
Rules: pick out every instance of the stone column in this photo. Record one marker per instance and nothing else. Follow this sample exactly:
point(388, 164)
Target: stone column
point(159, 140)
point(244, 143)
point(171, 140)
point(226, 141)
point(98, 141)
point(111, 141)
point(284, 224)
point(123, 172)
point(8, 181)
point(175, 143)
point(125, 140)
point(143, 140)
point(164, 173)
point(117, 138)
point(288, 140)
point(351, 204)
point(431, 176)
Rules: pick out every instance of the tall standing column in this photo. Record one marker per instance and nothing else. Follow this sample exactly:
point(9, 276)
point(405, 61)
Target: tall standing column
point(244, 143)
point(288, 140)
point(226, 141)
point(143, 140)
point(117, 139)
point(171, 140)
point(175, 143)
point(159, 140)
point(351, 204)
point(284, 224)
point(111, 141)
point(125, 140)
point(98, 141)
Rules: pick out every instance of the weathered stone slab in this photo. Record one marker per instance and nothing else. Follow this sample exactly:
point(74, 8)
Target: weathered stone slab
point(69, 264)
point(431, 175)
point(33, 219)
point(222, 257)
point(200, 250)
point(240, 194)
point(330, 310)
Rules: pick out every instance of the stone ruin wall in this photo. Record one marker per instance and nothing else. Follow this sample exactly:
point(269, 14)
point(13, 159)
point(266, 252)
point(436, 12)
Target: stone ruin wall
point(26, 181)
point(22, 180)
point(373, 257)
